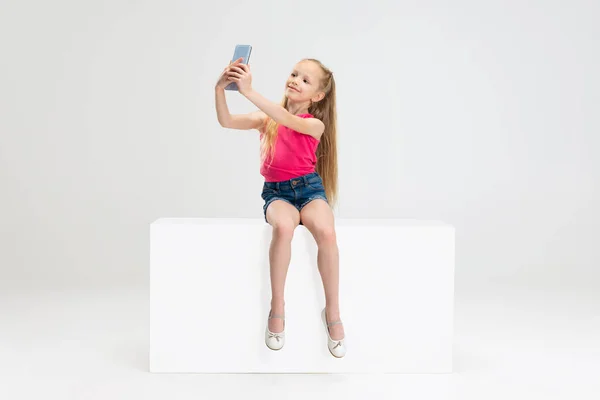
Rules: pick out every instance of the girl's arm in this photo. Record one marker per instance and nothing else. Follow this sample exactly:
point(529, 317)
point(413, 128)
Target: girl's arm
point(253, 120)
point(308, 126)
point(223, 114)
point(273, 110)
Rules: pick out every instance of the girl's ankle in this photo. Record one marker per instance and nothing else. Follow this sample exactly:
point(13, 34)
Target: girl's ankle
point(277, 304)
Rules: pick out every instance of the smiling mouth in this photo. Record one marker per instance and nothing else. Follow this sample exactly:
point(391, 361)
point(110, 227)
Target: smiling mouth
point(294, 89)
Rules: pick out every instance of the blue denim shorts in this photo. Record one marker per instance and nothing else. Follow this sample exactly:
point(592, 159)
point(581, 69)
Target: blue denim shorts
point(296, 191)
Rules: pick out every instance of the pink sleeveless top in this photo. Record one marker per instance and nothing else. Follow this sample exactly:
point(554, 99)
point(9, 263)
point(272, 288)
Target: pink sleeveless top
point(295, 155)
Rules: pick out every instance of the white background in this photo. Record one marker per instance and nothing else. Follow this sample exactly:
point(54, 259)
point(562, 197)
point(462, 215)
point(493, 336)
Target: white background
point(482, 114)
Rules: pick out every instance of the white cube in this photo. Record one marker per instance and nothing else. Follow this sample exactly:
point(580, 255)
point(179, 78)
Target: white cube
point(210, 297)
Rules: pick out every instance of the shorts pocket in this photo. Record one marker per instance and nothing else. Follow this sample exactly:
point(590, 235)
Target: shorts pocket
point(268, 192)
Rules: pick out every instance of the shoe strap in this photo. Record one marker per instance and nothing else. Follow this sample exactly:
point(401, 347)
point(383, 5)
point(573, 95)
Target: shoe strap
point(334, 322)
point(276, 316)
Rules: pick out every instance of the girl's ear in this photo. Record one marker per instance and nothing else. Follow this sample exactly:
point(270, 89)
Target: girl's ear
point(319, 98)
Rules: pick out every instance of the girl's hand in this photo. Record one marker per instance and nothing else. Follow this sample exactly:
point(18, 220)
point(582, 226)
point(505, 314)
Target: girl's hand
point(224, 78)
point(241, 75)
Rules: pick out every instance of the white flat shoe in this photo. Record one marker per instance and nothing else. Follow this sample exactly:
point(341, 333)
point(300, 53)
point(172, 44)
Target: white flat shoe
point(275, 340)
point(337, 348)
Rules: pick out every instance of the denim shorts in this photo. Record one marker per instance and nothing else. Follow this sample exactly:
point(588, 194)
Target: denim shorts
point(296, 191)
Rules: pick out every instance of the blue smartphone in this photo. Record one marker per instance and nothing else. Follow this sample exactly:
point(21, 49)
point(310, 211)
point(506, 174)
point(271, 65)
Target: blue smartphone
point(241, 50)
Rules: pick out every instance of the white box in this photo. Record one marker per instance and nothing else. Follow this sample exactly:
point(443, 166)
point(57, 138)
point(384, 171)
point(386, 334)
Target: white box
point(210, 297)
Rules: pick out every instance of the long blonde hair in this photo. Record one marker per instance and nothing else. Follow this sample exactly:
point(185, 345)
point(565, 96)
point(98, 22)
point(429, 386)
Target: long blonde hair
point(325, 110)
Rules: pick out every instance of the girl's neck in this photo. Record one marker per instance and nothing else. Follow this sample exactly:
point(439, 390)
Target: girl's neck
point(300, 110)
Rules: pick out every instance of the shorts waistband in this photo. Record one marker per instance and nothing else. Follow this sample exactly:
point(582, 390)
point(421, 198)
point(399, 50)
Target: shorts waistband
point(294, 182)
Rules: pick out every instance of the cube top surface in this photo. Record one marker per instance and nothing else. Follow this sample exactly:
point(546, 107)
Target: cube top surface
point(338, 221)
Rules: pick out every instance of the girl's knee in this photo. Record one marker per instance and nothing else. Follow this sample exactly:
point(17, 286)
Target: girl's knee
point(283, 229)
point(326, 235)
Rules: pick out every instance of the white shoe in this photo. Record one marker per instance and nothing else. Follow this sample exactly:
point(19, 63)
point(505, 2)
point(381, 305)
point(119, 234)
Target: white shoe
point(337, 348)
point(275, 340)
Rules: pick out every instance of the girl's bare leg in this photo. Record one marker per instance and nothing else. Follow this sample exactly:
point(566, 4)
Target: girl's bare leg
point(284, 218)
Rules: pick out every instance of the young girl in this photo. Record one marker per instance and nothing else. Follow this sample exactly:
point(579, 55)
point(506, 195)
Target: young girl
point(299, 164)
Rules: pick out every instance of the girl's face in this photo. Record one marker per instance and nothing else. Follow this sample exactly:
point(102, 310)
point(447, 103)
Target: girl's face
point(303, 82)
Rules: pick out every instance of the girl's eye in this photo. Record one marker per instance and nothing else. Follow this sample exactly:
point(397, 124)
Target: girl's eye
point(293, 74)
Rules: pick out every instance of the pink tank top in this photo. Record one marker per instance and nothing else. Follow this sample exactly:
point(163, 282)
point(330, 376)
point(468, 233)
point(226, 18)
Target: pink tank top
point(295, 155)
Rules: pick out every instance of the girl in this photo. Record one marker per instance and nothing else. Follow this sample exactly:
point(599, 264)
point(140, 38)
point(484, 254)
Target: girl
point(299, 164)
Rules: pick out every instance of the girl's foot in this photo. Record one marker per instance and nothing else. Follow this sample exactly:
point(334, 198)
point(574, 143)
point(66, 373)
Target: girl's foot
point(336, 344)
point(275, 340)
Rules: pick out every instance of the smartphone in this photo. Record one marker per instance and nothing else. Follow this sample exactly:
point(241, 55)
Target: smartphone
point(241, 50)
